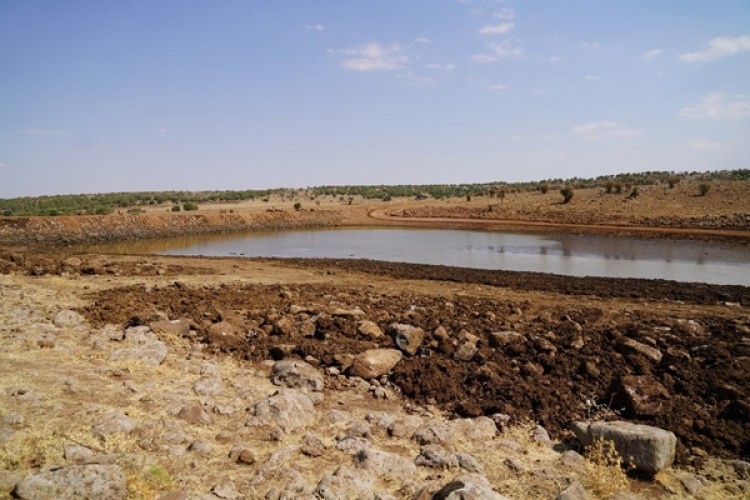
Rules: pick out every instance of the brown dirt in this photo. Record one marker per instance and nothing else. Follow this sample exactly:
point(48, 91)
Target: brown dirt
point(705, 348)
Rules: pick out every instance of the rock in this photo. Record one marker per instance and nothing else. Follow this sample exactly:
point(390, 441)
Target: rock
point(77, 453)
point(466, 351)
point(151, 354)
point(436, 457)
point(73, 263)
point(175, 495)
point(140, 335)
point(630, 346)
point(344, 361)
point(297, 374)
point(345, 483)
point(307, 328)
point(476, 429)
point(348, 313)
point(467, 487)
point(741, 468)
point(573, 492)
point(388, 466)
point(208, 386)
point(374, 363)
point(514, 465)
point(200, 447)
point(312, 446)
point(352, 445)
point(68, 319)
point(406, 337)
point(225, 335)
point(591, 369)
point(288, 409)
point(226, 490)
point(369, 329)
point(75, 481)
point(405, 427)
point(641, 396)
point(113, 423)
point(469, 463)
point(509, 341)
point(435, 433)
point(571, 458)
point(194, 414)
point(243, 455)
point(284, 326)
point(178, 327)
point(692, 485)
point(649, 449)
point(540, 435)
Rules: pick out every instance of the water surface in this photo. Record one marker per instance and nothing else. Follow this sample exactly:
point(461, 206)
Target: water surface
point(572, 255)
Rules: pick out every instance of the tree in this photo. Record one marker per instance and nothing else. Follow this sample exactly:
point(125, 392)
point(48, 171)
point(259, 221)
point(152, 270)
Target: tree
point(567, 195)
point(189, 206)
point(297, 206)
point(543, 188)
point(704, 188)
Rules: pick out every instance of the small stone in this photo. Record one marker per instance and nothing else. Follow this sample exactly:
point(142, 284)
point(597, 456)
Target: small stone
point(373, 363)
point(692, 485)
point(178, 327)
point(152, 353)
point(68, 319)
point(284, 326)
point(209, 386)
point(344, 483)
point(369, 329)
point(225, 335)
point(348, 313)
point(388, 466)
point(540, 435)
point(571, 458)
point(312, 446)
point(591, 369)
point(467, 487)
point(194, 414)
point(288, 409)
point(113, 423)
point(514, 465)
point(573, 492)
point(226, 490)
point(641, 396)
point(352, 445)
point(436, 457)
point(77, 453)
point(466, 351)
point(630, 346)
point(200, 447)
point(243, 455)
point(408, 338)
point(297, 374)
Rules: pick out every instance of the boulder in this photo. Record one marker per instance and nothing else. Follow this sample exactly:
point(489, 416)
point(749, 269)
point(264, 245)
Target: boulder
point(345, 483)
point(113, 423)
point(209, 385)
point(152, 353)
point(243, 455)
point(369, 329)
point(374, 363)
point(288, 409)
point(408, 338)
point(436, 457)
point(640, 395)
point(297, 375)
point(68, 319)
point(573, 492)
point(388, 466)
point(179, 327)
point(648, 448)
point(75, 481)
point(225, 335)
point(467, 487)
point(630, 346)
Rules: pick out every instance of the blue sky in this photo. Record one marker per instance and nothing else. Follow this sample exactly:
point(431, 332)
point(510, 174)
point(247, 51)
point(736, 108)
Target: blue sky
point(99, 96)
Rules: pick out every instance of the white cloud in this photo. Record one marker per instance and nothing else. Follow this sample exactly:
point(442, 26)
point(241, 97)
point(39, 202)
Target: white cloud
point(422, 39)
point(441, 67)
point(718, 47)
point(504, 50)
point(375, 57)
point(314, 27)
point(651, 54)
point(555, 59)
point(496, 29)
point(590, 45)
point(416, 80)
point(45, 132)
point(593, 77)
point(498, 87)
point(719, 105)
point(604, 129)
point(505, 14)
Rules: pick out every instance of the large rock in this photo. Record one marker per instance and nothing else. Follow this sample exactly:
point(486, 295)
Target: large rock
point(113, 423)
point(408, 338)
point(374, 363)
point(152, 353)
point(68, 319)
point(630, 346)
point(388, 466)
point(369, 329)
point(75, 482)
point(225, 335)
point(179, 327)
point(467, 487)
point(345, 483)
point(649, 449)
point(288, 409)
point(641, 396)
point(297, 374)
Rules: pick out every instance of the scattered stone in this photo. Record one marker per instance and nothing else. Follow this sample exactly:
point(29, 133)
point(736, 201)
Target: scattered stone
point(243, 455)
point(226, 490)
point(75, 481)
point(388, 466)
point(630, 346)
point(344, 483)
point(466, 351)
point(591, 369)
point(469, 463)
point(406, 337)
point(405, 427)
point(344, 361)
point(436, 457)
point(113, 423)
point(175, 495)
point(284, 326)
point(573, 492)
point(571, 458)
point(297, 374)
point(77, 453)
point(649, 449)
point(194, 414)
point(641, 396)
point(369, 329)
point(68, 319)
point(139, 335)
point(373, 363)
point(200, 447)
point(476, 429)
point(307, 328)
point(312, 446)
point(435, 433)
point(225, 335)
point(288, 409)
point(13, 419)
point(209, 386)
point(352, 445)
point(692, 485)
point(577, 343)
point(151, 354)
point(348, 313)
point(540, 435)
point(178, 327)
point(509, 341)
point(741, 467)
point(467, 487)
point(514, 465)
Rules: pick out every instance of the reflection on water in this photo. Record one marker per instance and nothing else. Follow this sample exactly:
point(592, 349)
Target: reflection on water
point(570, 254)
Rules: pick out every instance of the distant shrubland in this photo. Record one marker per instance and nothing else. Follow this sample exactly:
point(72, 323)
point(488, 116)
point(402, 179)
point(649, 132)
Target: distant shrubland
point(86, 204)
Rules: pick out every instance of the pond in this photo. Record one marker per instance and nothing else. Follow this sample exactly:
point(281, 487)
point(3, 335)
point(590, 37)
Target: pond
point(573, 255)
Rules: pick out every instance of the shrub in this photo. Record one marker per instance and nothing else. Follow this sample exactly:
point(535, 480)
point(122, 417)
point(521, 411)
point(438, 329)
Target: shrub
point(609, 187)
point(136, 211)
point(617, 188)
point(672, 181)
point(703, 188)
point(567, 195)
point(297, 206)
point(189, 206)
point(387, 197)
point(468, 197)
point(543, 188)
point(7, 213)
point(103, 211)
point(634, 193)
point(176, 208)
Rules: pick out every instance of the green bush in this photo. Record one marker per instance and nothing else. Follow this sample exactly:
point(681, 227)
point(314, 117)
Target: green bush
point(634, 193)
point(387, 197)
point(543, 188)
point(136, 211)
point(189, 206)
point(297, 206)
point(567, 195)
point(7, 213)
point(103, 211)
point(703, 189)
point(176, 208)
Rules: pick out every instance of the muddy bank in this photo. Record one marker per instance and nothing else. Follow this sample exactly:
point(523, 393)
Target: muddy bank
point(698, 293)
point(104, 228)
point(563, 366)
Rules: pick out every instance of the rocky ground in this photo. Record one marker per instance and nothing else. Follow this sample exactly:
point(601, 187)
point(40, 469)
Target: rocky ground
point(231, 378)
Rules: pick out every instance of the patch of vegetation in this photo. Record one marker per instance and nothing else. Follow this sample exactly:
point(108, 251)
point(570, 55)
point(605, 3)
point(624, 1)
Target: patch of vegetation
point(189, 206)
point(298, 206)
point(703, 189)
point(176, 208)
point(567, 195)
point(136, 211)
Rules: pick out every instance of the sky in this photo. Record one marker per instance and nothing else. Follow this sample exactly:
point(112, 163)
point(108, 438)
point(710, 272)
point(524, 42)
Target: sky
point(103, 96)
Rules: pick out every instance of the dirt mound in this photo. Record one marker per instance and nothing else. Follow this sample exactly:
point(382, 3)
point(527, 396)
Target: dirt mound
point(560, 370)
